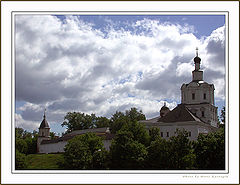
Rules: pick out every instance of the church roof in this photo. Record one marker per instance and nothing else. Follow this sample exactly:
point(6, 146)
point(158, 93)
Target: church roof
point(101, 132)
point(44, 123)
point(179, 114)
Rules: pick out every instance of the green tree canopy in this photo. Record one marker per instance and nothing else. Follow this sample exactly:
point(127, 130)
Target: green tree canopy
point(180, 151)
point(210, 151)
point(128, 149)
point(26, 142)
point(85, 152)
point(79, 121)
point(119, 118)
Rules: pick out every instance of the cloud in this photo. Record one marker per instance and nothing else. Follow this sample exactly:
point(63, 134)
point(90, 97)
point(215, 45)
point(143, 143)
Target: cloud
point(69, 65)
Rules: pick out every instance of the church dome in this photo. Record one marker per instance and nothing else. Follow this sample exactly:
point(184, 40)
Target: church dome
point(164, 110)
point(197, 59)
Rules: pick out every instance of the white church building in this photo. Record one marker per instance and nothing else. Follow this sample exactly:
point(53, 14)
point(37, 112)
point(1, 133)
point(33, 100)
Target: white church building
point(196, 114)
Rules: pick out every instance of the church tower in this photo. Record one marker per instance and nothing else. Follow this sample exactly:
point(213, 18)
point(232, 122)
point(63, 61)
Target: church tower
point(198, 96)
point(44, 131)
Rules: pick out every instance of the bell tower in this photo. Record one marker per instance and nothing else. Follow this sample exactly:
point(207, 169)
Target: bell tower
point(198, 96)
point(44, 131)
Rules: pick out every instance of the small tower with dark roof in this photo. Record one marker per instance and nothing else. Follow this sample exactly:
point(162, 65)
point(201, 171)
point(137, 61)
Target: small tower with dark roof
point(197, 74)
point(44, 131)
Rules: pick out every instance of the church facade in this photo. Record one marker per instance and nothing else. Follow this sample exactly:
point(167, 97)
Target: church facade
point(196, 114)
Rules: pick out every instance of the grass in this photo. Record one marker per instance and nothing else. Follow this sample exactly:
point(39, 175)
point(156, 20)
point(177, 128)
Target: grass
point(44, 161)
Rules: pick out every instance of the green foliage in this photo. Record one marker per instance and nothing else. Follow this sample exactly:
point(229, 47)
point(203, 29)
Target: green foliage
point(222, 116)
point(210, 151)
point(128, 149)
point(25, 142)
point(180, 151)
point(102, 122)
point(127, 153)
point(20, 160)
point(84, 152)
point(139, 132)
point(21, 145)
point(154, 133)
point(176, 153)
point(119, 119)
point(158, 154)
point(79, 121)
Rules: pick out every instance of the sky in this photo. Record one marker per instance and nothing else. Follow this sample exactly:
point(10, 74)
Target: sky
point(106, 63)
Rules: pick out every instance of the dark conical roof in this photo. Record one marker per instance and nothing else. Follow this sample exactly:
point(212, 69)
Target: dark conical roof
point(44, 123)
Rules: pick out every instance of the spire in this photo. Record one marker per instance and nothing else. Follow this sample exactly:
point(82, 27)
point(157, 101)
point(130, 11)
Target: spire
point(197, 51)
point(44, 114)
point(44, 123)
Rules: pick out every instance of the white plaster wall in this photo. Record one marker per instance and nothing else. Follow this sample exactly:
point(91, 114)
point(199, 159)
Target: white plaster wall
point(52, 147)
point(59, 147)
point(186, 93)
point(194, 128)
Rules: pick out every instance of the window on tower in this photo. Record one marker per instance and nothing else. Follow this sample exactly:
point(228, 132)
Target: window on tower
point(193, 96)
point(204, 96)
point(161, 134)
point(167, 134)
point(203, 114)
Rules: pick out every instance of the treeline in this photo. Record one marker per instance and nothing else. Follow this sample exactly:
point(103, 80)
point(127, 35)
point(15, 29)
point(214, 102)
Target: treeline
point(133, 148)
point(25, 143)
point(78, 121)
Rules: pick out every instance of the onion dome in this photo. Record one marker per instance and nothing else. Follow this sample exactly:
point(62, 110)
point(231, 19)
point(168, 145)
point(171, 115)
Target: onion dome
point(164, 110)
point(197, 59)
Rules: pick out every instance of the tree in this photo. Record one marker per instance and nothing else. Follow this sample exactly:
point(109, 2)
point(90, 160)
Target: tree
point(139, 132)
point(158, 154)
point(119, 119)
point(20, 160)
point(102, 122)
point(85, 152)
point(134, 115)
point(180, 151)
point(210, 151)
point(21, 145)
point(154, 133)
point(127, 153)
point(79, 121)
point(26, 142)
point(222, 117)
point(128, 149)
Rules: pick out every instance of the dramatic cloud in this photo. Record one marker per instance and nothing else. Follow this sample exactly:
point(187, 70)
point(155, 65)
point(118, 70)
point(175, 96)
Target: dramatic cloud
point(70, 65)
